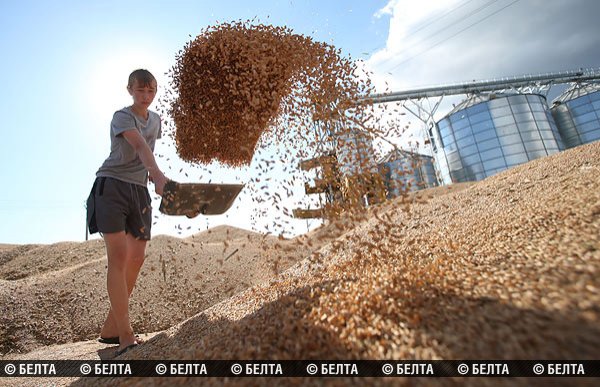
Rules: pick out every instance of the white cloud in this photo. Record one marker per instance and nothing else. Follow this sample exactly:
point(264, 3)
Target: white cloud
point(388, 9)
point(410, 22)
point(448, 41)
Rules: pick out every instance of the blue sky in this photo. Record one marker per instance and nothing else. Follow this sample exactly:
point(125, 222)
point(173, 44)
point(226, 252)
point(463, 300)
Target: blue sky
point(65, 63)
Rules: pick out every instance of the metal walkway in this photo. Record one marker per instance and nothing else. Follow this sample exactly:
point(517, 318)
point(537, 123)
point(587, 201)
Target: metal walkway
point(514, 83)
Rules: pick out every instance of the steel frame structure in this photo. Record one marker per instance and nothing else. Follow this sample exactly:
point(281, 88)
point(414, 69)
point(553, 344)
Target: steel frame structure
point(525, 84)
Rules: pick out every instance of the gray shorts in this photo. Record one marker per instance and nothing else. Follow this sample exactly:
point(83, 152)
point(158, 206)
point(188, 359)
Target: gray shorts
point(115, 205)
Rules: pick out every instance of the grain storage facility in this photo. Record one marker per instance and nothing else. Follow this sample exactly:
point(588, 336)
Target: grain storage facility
point(405, 171)
point(577, 114)
point(355, 153)
point(489, 133)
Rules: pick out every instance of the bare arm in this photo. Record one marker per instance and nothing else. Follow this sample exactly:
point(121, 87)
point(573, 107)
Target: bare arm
point(135, 139)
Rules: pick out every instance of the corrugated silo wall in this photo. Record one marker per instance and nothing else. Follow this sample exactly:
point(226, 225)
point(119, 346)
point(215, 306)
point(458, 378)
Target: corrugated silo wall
point(355, 153)
point(578, 120)
point(408, 173)
point(492, 136)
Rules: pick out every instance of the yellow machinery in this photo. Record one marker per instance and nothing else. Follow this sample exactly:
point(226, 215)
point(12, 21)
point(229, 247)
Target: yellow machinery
point(327, 183)
point(342, 193)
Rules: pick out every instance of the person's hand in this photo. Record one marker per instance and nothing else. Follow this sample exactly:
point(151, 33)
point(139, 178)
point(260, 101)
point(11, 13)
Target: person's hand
point(159, 181)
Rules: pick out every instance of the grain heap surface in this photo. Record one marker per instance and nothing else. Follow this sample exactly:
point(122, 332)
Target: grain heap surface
point(236, 81)
point(56, 294)
point(504, 269)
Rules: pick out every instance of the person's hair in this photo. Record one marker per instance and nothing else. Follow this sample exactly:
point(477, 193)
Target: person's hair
point(143, 77)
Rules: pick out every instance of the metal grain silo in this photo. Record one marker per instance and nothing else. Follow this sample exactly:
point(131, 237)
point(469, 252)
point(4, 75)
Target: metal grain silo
point(355, 153)
point(489, 133)
point(577, 114)
point(405, 171)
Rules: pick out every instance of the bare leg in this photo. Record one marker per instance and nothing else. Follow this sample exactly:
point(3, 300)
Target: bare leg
point(116, 284)
point(136, 250)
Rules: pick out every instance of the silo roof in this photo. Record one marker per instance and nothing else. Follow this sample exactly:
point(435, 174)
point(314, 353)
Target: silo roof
point(576, 91)
point(476, 99)
point(400, 153)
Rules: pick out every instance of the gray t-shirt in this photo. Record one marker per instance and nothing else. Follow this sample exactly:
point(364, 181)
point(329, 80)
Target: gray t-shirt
point(123, 162)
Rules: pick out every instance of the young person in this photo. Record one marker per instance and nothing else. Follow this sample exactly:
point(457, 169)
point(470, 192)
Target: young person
point(119, 206)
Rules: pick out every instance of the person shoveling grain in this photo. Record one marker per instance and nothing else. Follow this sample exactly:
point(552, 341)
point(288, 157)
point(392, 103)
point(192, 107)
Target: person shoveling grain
point(233, 83)
point(119, 203)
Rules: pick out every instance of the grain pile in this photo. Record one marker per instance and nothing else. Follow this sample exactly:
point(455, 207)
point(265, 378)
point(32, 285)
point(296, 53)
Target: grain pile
point(505, 269)
point(236, 81)
point(56, 294)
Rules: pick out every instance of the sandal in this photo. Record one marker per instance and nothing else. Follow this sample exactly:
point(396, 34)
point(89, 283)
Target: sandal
point(115, 340)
